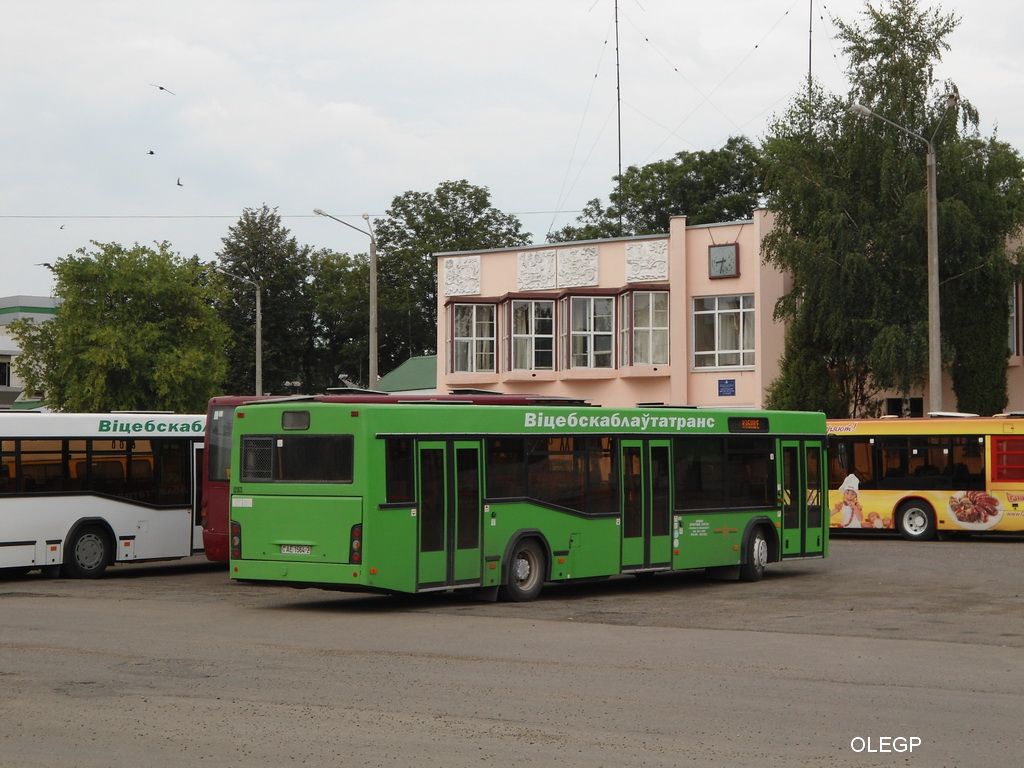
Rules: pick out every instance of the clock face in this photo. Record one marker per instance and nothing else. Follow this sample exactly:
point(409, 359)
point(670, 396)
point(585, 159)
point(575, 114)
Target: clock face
point(723, 260)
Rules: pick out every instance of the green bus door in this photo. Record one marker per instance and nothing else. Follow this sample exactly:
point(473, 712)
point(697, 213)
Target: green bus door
point(646, 504)
point(448, 488)
point(803, 531)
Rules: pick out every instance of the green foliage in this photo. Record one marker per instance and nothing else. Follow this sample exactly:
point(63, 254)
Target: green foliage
point(315, 304)
point(595, 223)
point(977, 271)
point(457, 216)
point(135, 330)
point(339, 292)
point(977, 319)
point(706, 187)
point(807, 381)
point(850, 198)
point(260, 250)
point(892, 58)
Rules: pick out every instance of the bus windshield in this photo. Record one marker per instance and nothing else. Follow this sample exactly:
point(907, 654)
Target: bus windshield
point(218, 425)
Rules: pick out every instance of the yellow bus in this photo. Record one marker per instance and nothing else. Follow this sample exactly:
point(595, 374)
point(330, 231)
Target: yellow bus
point(922, 477)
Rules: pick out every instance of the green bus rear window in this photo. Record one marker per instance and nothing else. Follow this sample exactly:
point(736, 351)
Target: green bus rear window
point(296, 459)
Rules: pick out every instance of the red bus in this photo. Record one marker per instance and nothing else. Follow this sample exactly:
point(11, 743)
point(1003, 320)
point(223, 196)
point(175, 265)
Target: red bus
point(221, 416)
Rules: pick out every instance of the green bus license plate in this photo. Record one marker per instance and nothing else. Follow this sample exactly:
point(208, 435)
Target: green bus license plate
point(295, 549)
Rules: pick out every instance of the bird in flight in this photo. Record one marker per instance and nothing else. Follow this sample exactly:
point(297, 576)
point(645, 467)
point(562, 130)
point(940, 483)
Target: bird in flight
point(179, 182)
point(151, 152)
point(163, 89)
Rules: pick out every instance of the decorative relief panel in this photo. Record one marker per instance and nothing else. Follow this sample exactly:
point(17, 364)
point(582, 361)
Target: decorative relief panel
point(536, 271)
point(577, 266)
point(646, 260)
point(461, 275)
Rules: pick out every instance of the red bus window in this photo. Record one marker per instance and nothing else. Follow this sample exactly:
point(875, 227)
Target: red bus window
point(1007, 459)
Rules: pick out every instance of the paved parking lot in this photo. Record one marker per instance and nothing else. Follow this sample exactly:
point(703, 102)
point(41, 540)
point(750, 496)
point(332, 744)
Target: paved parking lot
point(885, 647)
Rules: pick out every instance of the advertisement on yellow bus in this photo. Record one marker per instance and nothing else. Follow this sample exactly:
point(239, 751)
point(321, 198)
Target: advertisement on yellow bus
point(926, 477)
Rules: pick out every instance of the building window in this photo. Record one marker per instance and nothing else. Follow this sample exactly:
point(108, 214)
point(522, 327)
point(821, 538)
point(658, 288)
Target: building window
point(591, 331)
point(5, 374)
point(533, 335)
point(644, 328)
point(723, 331)
point(474, 338)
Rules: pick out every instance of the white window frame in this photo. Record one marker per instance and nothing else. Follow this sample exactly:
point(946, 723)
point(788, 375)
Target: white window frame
point(641, 330)
point(588, 338)
point(625, 351)
point(730, 319)
point(530, 345)
point(477, 348)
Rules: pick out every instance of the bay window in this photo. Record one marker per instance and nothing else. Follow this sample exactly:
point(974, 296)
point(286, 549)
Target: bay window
point(473, 338)
point(533, 335)
point(591, 331)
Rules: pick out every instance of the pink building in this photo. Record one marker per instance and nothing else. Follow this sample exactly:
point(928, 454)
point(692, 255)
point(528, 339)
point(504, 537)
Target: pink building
point(680, 319)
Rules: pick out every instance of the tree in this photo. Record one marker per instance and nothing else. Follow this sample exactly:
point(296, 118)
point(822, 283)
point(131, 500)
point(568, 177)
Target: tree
point(457, 216)
point(133, 331)
point(808, 381)
point(595, 223)
point(850, 199)
point(979, 272)
point(340, 302)
point(706, 187)
point(260, 249)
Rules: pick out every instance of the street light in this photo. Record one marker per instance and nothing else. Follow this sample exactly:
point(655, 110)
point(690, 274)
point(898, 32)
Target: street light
point(934, 335)
point(259, 323)
point(373, 288)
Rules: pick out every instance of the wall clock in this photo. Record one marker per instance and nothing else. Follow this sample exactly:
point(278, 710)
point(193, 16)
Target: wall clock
point(723, 261)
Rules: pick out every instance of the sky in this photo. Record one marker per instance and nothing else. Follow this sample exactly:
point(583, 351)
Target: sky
point(144, 121)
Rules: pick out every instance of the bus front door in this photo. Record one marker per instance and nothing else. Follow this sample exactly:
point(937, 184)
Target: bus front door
point(646, 504)
point(803, 523)
point(449, 492)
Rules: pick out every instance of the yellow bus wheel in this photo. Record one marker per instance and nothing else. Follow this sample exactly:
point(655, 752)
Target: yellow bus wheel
point(916, 521)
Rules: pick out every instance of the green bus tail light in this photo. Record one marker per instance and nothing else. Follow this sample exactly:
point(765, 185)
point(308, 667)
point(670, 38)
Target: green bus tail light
point(356, 544)
point(236, 540)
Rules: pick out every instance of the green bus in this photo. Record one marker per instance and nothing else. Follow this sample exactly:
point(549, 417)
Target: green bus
point(420, 497)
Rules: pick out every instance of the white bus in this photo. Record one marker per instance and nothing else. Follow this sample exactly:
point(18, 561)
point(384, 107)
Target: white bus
point(80, 492)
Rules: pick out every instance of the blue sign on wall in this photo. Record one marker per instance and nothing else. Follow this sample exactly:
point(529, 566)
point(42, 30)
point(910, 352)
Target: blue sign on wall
point(727, 387)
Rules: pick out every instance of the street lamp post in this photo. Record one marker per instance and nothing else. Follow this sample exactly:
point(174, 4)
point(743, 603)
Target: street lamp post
point(259, 325)
point(934, 330)
point(373, 289)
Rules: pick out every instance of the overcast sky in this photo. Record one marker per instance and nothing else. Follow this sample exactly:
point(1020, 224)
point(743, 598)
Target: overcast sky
point(345, 104)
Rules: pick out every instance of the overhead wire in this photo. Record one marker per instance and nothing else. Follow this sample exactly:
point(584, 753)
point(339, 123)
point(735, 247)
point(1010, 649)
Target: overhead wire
point(705, 99)
point(563, 193)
